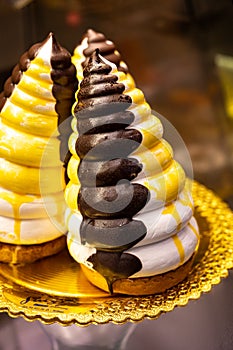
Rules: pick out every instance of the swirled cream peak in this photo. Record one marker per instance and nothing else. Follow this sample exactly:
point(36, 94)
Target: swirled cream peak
point(132, 194)
point(91, 41)
point(36, 99)
point(41, 87)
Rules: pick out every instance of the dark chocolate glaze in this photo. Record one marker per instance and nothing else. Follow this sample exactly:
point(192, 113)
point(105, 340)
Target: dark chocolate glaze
point(106, 123)
point(65, 84)
point(108, 173)
point(107, 49)
point(115, 265)
point(113, 234)
point(107, 199)
point(122, 200)
point(115, 144)
point(22, 66)
point(63, 75)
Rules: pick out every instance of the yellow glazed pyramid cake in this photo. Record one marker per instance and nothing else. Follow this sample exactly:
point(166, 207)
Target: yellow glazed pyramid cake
point(36, 100)
point(130, 218)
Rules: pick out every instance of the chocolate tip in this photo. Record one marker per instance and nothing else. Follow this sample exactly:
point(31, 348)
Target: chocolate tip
point(90, 31)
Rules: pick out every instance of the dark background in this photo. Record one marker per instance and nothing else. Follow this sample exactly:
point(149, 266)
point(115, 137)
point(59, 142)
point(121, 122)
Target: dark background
point(170, 47)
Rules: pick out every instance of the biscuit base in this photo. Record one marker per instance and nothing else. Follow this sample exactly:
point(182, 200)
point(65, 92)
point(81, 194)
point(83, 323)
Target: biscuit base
point(22, 254)
point(142, 285)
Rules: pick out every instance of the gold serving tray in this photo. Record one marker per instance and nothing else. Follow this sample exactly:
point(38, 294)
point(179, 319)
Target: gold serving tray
point(55, 289)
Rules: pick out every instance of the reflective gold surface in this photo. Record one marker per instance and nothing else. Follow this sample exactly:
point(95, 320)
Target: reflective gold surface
point(54, 289)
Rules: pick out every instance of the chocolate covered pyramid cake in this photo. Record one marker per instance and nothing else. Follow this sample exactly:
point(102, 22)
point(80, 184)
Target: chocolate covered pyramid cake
point(130, 216)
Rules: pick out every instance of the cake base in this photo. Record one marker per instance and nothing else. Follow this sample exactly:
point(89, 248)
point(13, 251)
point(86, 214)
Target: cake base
point(144, 285)
point(23, 254)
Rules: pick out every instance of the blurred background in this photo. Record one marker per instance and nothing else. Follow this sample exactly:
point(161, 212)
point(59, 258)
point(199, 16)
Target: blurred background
point(180, 53)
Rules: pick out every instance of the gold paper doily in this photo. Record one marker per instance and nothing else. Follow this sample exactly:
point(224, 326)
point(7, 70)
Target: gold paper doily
point(54, 289)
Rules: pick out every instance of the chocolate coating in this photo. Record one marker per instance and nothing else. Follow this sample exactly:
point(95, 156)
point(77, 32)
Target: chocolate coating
point(107, 49)
point(24, 63)
point(99, 93)
point(105, 123)
point(116, 144)
point(123, 200)
point(113, 234)
point(115, 266)
point(107, 199)
point(63, 75)
point(108, 173)
point(65, 84)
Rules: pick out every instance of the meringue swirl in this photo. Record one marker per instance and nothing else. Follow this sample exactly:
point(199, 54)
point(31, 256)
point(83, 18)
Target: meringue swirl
point(36, 100)
point(106, 163)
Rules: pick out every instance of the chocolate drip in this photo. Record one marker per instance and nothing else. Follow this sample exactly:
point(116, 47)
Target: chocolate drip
point(107, 49)
point(107, 199)
point(114, 265)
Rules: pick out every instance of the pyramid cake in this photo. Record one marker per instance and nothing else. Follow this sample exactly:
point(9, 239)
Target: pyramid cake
point(35, 102)
point(130, 217)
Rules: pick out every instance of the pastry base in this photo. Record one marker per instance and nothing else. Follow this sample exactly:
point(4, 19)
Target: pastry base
point(141, 286)
point(23, 254)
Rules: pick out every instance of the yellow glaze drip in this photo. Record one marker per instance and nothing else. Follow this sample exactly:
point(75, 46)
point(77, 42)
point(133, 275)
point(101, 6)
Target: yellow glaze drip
point(194, 230)
point(16, 200)
point(179, 247)
point(172, 210)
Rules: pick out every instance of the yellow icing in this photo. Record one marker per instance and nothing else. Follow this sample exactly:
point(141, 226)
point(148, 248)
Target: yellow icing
point(179, 247)
point(126, 79)
point(166, 185)
point(34, 88)
point(71, 144)
point(16, 200)
point(156, 159)
point(28, 121)
point(72, 170)
point(27, 149)
point(24, 179)
point(172, 210)
point(195, 231)
point(71, 195)
point(31, 103)
point(28, 128)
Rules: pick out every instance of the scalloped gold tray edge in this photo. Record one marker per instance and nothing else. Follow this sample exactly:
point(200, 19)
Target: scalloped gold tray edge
point(213, 260)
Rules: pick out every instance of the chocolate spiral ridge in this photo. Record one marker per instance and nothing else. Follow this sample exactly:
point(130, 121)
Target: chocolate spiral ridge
point(17, 72)
point(107, 49)
point(107, 199)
